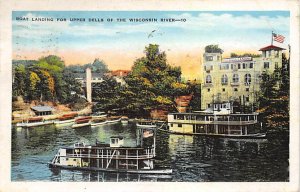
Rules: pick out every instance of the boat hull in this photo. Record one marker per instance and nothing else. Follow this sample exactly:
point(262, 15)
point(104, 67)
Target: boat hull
point(248, 136)
point(81, 125)
point(63, 123)
point(137, 171)
point(113, 121)
point(98, 124)
point(36, 124)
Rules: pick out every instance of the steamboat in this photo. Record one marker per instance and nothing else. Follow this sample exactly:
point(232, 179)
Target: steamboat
point(112, 157)
point(216, 121)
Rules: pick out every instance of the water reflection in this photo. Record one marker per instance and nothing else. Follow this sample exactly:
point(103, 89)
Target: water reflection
point(67, 175)
point(192, 158)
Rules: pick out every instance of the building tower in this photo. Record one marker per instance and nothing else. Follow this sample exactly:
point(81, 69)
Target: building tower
point(88, 84)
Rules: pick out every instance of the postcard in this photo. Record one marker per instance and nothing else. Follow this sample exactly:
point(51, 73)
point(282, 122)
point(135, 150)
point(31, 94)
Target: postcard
point(142, 97)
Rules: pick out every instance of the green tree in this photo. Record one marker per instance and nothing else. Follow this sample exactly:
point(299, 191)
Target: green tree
point(153, 83)
point(19, 80)
point(213, 49)
point(274, 97)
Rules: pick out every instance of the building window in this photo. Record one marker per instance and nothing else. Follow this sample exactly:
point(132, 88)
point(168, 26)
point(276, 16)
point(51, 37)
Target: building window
point(277, 53)
point(208, 105)
point(223, 89)
point(235, 89)
point(244, 65)
point(218, 58)
point(266, 65)
point(208, 90)
point(224, 79)
point(276, 65)
point(247, 89)
point(179, 125)
point(208, 79)
point(247, 79)
point(239, 66)
point(231, 66)
point(235, 78)
point(251, 65)
point(171, 124)
point(209, 58)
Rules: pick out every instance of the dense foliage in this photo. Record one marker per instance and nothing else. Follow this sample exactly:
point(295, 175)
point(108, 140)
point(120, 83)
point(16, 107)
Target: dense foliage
point(46, 80)
point(213, 49)
point(151, 84)
point(274, 96)
point(98, 66)
point(245, 55)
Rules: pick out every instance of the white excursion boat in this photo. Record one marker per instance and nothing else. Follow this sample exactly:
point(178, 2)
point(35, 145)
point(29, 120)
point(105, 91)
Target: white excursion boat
point(82, 122)
point(34, 122)
point(66, 119)
point(112, 157)
point(219, 121)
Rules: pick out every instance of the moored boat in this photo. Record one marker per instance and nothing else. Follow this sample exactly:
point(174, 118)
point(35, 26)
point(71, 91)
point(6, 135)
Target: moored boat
point(113, 119)
point(66, 119)
point(112, 157)
point(216, 123)
point(98, 121)
point(99, 115)
point(34, 122)
point(124, 120)
point(82, 122)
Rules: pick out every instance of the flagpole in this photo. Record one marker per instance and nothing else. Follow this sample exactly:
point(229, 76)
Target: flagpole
point(272, 39)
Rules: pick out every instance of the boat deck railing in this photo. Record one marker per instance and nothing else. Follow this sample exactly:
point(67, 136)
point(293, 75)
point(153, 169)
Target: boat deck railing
point(237, 122)
point(108, 156)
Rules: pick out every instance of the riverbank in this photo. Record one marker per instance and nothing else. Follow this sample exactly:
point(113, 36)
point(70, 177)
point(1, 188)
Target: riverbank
point(22, 110)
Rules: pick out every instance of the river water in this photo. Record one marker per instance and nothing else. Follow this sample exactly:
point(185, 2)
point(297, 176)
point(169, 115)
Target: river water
point(192, 158)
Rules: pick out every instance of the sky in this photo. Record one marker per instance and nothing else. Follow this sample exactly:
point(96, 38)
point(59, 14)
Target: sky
point(119, 44)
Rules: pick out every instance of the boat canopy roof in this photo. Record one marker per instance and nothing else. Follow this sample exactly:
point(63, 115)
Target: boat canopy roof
point(41, 108)
point(211, 114)
point(117, 137)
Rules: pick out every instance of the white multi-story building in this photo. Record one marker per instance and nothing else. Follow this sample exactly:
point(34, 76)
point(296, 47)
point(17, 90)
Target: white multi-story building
point(236, 79)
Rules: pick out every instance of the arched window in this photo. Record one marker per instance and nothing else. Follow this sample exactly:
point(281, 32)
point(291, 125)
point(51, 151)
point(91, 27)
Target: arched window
point(235, 78)
point(247, 79)
point(208, 79)
point(224, 79)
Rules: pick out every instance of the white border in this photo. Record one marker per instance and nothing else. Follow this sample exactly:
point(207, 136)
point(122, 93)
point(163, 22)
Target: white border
point(6, 9)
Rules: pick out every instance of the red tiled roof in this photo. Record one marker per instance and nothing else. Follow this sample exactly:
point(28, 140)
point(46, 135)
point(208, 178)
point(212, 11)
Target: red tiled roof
point(271, 47)
point(121, 73)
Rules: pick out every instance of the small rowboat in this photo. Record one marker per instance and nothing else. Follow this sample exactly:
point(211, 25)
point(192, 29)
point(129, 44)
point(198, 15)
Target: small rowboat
point(98, 121)
point(113, 119)
point(82, 122)
point(124, 120)
point(66, 119)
